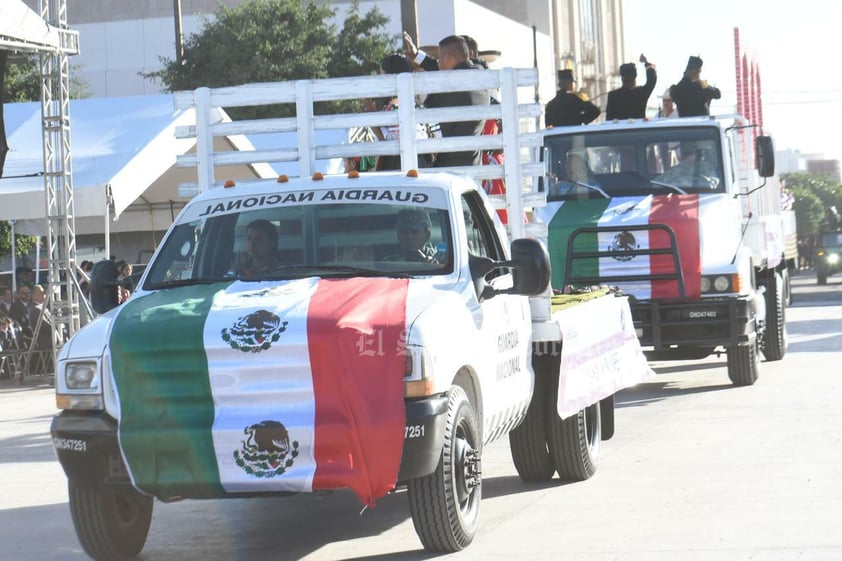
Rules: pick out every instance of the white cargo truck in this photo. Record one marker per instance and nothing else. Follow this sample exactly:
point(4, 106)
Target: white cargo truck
point(678, 214)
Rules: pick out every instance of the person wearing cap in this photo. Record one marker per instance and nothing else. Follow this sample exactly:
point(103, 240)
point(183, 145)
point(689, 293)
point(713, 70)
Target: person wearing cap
point(692, 95)
point(667, 110)
point(568, 108)
point(413, 230)
point(629, 100)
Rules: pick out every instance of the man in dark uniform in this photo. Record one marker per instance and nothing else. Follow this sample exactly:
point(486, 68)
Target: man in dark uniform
point(629, 100)
point(568, 108)
point(454, 55)
point(692, 95)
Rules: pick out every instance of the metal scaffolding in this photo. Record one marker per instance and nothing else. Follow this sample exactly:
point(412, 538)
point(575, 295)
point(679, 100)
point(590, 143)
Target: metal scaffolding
point(54, 46)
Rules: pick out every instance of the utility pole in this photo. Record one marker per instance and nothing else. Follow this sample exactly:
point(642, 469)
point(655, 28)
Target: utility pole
point(179, 37)
point(409, 18)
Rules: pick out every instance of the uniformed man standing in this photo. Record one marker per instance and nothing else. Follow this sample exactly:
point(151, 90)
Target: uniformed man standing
point(568, 108)
point(629, 100)
point(692, 95)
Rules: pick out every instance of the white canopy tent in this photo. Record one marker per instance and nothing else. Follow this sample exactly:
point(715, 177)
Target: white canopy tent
point(124, 174)
point(124, 152)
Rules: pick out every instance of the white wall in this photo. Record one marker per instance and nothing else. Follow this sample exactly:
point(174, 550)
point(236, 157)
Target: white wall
point(113, 54)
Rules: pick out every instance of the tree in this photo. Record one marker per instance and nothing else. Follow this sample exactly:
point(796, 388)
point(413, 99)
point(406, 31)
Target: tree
point(813, 194)
point(276, 40)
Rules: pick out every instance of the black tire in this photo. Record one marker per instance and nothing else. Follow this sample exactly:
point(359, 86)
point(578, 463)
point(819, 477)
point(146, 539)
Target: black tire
point(821, 276)
point(528, 442)
point(445, 504)
point(774, 339)
point(575, 441)
point(111, 524)
point(743, 364)
point(606, 417)
point(787, 278)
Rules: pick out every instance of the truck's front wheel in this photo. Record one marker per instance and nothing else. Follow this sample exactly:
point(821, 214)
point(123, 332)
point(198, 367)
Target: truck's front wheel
point(111, 524)
point(575, 441)
point(743, 364)
point(445, 504)
point(774, 340)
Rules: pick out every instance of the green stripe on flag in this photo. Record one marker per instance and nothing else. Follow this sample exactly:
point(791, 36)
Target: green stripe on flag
point(571, 216)
point(160, 366)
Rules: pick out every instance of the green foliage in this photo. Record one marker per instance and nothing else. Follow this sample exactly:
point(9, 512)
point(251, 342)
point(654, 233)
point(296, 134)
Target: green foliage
point(24, 244)
point(813, 194)
point(277, 40)
point(23, 82)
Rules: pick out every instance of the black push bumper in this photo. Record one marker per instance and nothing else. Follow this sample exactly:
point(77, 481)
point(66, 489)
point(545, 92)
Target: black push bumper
point(697, 323)
point(87, 447)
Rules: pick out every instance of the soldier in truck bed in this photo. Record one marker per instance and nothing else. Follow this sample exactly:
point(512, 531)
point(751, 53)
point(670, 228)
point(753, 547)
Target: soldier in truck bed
point(568, 108)
point(692, 95)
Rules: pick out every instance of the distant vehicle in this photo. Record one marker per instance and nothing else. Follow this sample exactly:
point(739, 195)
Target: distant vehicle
point(828, 255)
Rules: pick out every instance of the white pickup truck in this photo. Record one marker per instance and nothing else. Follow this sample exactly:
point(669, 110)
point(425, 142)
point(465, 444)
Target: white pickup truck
point(362, 331)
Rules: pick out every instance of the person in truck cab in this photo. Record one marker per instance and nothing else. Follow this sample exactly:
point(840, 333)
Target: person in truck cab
point(413, 230)
point(262, 244)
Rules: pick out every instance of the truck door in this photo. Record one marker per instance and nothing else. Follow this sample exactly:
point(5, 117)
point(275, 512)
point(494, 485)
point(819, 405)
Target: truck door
point(503, 336)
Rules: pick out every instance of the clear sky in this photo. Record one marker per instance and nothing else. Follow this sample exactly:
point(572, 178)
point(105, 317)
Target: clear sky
point(797, 45)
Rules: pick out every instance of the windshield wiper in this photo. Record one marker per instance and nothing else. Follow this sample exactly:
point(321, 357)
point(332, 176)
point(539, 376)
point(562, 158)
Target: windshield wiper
point(591, 187)
point(174, 283)
point(675, 188)
point(344, 269)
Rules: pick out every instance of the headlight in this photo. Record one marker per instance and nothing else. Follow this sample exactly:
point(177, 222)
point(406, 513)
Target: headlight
point(720, 284)
point(833, 258)
point(80, 375)
point(79, 386)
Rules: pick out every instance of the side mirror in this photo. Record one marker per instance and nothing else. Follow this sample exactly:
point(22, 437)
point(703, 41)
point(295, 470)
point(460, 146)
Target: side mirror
point(764, 152)
point(531, 267)
point(103, 287)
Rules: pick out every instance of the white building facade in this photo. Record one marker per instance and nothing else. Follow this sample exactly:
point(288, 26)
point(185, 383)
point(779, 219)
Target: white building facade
point(120, 39)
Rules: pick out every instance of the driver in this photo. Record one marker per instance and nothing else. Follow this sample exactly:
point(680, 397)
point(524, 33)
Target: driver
point(576, 171)
point(696, 167)
point(413, 230)
point(262, 243)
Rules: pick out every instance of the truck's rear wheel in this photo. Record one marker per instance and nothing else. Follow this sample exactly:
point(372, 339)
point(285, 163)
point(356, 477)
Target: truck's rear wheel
point(445, 504)
point(743, 364)
point(774, 339)
point(528, 442)
point(575, 441)
point(111, 524)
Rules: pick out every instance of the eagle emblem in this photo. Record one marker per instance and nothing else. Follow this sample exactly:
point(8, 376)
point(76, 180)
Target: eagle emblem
point(255, 332)
point(267, 451)
point(624, 242)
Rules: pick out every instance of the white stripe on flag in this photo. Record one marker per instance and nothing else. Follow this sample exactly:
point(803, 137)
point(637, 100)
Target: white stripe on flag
point(626, 211)
point(274, 384)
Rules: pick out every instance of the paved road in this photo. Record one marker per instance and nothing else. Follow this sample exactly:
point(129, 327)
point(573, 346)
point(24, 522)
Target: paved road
point(698, 470)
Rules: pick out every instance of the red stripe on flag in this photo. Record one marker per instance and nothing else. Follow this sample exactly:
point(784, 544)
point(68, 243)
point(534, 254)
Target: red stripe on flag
point(356, 333)
point(681, 213)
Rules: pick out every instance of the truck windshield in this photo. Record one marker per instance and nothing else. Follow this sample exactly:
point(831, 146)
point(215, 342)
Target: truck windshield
point(831, 239)
point(286, 242)
point(633, 162)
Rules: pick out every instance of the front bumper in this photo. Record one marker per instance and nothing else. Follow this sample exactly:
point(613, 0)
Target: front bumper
point(87, 447)
point(699, 323)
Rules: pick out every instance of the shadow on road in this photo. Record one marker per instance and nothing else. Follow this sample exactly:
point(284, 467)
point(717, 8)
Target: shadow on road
point(654, 391)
